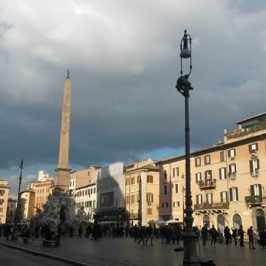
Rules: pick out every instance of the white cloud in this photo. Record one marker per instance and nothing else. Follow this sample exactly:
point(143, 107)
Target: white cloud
point(123, 58)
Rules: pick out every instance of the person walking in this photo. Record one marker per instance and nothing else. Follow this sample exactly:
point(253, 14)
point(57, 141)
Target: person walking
point(214, 235)
point(204, 234)
point(251, 238)
point(263, 238)
point(234, 235)
point(241, 233)
point(227, 235)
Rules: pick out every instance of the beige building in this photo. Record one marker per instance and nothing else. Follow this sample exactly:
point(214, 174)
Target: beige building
point(11, 210)
point(83, 189)
point(4, 191)
point(83, 177)
point(228, 179)
point(142, 192)
point(27, 199)
point(172, 188)
point(42, 187)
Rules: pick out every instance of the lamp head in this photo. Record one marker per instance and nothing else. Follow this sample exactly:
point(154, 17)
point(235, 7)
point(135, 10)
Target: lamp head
point(185, 51)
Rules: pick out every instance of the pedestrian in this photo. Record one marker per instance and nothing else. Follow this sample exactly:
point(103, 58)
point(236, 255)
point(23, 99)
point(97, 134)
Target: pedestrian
point(7, 231)
point(80, 231)
point(263, 238)
point(227, 235)
point(234, 235)
point(204, 234)
point(214, 234)
point(251, 238)
point(150, 234)
point(241, 233)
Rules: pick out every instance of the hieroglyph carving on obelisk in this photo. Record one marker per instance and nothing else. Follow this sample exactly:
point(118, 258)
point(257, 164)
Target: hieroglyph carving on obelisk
point(62, 172)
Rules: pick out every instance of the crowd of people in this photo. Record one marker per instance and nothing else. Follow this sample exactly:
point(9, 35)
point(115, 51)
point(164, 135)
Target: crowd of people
point(232, 235)
point(143, 235)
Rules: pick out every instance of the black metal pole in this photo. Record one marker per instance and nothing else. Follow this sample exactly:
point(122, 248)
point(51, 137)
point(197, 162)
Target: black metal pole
point(188, 210)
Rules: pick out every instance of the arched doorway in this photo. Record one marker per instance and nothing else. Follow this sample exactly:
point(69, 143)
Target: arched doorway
point(220, 222)
point(206, 220)
point(260, 218)
point(237, 221)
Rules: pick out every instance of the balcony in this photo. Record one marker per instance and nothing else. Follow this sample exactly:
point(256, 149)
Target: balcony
point(253, 200)
point(241, 132)
point(207, 184)
point(212, 206)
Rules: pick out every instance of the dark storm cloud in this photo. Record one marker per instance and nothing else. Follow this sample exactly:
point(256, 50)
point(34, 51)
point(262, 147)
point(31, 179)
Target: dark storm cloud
point(124, 65)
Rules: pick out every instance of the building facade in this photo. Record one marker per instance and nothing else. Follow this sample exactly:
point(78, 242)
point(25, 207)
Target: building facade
point(83, 189)
point(11, 210)
point(142, 192)
point(42, 188)
point(27, 198)
point(111, 194)
point(228, 179)
point(172, 188)
point(4, 192)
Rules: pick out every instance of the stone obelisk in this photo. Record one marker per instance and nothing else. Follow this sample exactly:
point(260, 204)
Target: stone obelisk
point(62, 172)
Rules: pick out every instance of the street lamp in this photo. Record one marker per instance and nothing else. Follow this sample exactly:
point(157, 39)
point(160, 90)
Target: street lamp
point(184, 86)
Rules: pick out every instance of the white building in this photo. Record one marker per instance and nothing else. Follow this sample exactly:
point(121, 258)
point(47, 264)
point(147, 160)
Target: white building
point(111, 193)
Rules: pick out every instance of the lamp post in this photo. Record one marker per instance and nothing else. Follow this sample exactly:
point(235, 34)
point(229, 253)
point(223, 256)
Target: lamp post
point(184, 86)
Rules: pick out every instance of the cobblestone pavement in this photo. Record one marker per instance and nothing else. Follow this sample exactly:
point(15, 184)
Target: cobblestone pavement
point(125, 251)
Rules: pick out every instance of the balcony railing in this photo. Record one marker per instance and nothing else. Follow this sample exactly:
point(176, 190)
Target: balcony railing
point(245, 131)
point(212, 206)
point(134, 216)
point(253, 200)
point(207, 184)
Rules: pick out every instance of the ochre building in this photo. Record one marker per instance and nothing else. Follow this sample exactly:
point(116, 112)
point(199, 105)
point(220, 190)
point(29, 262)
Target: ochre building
point(228, 179)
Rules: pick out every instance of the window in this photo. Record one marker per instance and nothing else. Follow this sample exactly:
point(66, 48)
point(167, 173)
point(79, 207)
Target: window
point(176, 188)
point(222, 173)
point(232, 169)
point(149, 211)
point(253, 148)
point(231, 153)
point(209, 198)
point(175, 171)
point(223, 196)
point(222, 156)
point(149, 179)
point(198, 177)
point(165, 189)
point(199, 199)
point(132, 180)
point(127, 199)
point(164, 204)
point(233, 194)
point(208, 175)
point(138, 179)
point(198, 161)
point(164, 174)
point(132, 198)
point(176, 204)
point(254, 167)
point(256, 190)
point(207, 159)
point(149, 197)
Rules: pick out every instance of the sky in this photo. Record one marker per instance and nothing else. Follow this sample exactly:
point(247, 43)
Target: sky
point(123, 58)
